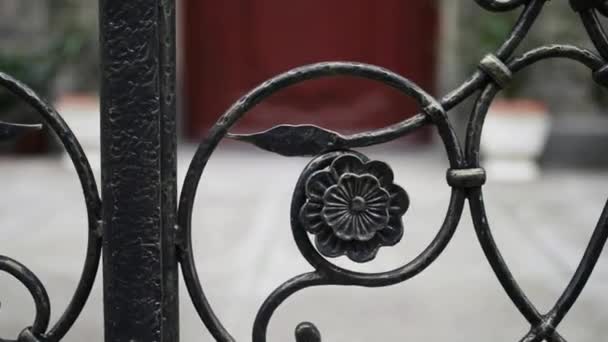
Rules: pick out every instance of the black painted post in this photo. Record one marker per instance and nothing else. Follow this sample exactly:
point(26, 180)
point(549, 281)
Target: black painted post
point(138, 170)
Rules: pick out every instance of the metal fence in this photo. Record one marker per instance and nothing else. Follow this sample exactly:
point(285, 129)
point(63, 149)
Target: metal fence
point(344, 204)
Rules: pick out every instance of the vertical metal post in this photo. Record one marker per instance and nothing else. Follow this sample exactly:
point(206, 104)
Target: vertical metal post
point(138, 137)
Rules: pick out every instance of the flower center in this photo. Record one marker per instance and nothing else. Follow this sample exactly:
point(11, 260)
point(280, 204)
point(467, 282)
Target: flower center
point(358, 204)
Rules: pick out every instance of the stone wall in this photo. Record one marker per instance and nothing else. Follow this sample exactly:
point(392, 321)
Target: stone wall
point(22, 24)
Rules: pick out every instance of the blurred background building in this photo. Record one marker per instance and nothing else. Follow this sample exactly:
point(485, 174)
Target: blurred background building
point(229, 47)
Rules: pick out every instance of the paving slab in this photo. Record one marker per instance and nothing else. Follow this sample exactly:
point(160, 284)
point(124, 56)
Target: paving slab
point(244, 250)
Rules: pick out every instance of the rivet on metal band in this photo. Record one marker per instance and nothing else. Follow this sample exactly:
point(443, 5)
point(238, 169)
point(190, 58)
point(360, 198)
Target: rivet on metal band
point(496, 69)
point(466, 178)
point(435, 111)
point(27, 336)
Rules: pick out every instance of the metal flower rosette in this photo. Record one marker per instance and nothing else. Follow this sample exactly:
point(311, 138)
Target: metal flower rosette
point(353, 207)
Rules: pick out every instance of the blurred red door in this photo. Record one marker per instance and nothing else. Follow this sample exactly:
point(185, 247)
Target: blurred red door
point(233, 45)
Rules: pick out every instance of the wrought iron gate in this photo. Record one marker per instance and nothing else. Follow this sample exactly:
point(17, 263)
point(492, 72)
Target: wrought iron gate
point(344, 204)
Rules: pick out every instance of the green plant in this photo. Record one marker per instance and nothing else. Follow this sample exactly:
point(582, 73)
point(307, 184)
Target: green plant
point(484, 34)
point(40, 67)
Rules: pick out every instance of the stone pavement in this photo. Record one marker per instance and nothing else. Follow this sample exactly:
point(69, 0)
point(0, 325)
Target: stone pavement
point(244, 250)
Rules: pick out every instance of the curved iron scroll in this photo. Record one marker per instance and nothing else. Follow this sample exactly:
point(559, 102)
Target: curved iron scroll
point(348, 204)
point(39, 331)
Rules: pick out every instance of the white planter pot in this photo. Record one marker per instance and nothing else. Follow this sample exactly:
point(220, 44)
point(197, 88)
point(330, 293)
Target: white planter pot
point(513, 138)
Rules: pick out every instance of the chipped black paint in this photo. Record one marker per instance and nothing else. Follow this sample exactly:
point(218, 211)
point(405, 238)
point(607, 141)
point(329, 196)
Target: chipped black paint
point(138, 170)
point(144, 235)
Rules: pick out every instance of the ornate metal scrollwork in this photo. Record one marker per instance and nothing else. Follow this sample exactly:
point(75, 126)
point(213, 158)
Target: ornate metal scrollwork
point(345, 204)
point(349, 205)
point(352, 206)
point(39, 331)
point(330, 147)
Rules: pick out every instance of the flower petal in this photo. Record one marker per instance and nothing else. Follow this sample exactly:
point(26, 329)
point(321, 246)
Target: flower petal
point(370, 222)
point(399, 202)
point(348, 163)
point(343, 225)
point(348, 185)
point(361, 252)
point(377, 197)
point(392, 233)
point(311, 218)
point(318, 183)
point(336, 196)
point(332, 215)
point(376, 220)
point(363, 230)
point(365, 185)
point(328, 244)
point(382, 171)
